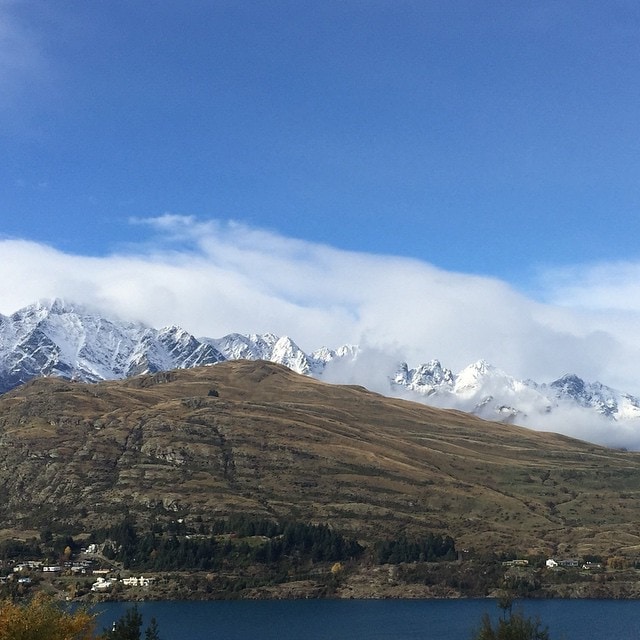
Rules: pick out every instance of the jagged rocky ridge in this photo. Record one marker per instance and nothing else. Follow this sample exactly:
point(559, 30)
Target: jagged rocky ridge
point(53, 338)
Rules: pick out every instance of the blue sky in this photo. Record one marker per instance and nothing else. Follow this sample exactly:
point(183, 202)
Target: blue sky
point(492, 137)
point(457, 180)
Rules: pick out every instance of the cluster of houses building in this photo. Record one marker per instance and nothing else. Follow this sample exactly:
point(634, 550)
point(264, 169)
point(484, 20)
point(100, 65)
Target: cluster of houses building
point(23, 571)
point(568, 563)
point(571, 563)
point(81, 567)
point(106, 584)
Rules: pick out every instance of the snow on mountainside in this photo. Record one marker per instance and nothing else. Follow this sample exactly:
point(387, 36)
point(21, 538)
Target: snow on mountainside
point(479, 388)
point(265, 347)
point(71, 341)
point(280, 350)
point(605, 400)
point(488, 392)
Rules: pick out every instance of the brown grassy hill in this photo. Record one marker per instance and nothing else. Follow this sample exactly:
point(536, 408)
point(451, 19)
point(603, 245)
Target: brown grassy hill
point(258, 438)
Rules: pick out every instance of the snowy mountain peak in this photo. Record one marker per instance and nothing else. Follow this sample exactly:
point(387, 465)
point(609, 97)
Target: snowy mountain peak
point(55, 307)
point(58, 306)
point(570, 385)
point(426, 379)
point(476, 374)
point(595, 395)
point(481, 367)
point(348, 351)
point(285, 351)
point(434, 371)
point(56, 338)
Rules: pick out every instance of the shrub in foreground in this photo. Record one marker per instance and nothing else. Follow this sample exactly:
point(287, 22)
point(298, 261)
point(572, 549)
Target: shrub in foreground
point(41, 619)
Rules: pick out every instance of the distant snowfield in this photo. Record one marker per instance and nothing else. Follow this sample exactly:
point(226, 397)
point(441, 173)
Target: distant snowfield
point(72, 341)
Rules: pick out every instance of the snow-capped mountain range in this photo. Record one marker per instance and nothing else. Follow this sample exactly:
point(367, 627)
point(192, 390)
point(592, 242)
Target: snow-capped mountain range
point(71, 341)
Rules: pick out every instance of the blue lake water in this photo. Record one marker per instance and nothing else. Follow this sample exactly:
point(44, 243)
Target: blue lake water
point(374, 619)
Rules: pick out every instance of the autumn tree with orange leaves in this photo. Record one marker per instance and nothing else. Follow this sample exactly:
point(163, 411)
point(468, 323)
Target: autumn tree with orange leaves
point(41, 619)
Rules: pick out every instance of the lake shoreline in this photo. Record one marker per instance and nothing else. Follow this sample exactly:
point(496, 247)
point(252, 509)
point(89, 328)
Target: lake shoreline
point(376, 583)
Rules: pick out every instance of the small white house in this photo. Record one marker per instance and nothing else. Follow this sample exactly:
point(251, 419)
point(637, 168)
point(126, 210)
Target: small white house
point(29, 565)
point(102, 584)
point(551, 563)
point(136, 582)
point(569, 563)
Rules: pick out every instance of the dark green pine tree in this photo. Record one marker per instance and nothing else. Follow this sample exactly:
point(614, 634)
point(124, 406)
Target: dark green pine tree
point(127, 627)
point(513, 627)
point(152, 632)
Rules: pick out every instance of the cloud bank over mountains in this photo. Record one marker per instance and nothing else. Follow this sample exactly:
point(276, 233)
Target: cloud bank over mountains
point(214, 278)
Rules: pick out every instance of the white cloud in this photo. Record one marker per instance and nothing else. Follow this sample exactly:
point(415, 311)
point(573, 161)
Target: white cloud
point(213, 278)
point(602, 286)
point(583, 424)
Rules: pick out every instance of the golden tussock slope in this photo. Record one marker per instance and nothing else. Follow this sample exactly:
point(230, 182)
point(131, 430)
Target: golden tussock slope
point(256, 437)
